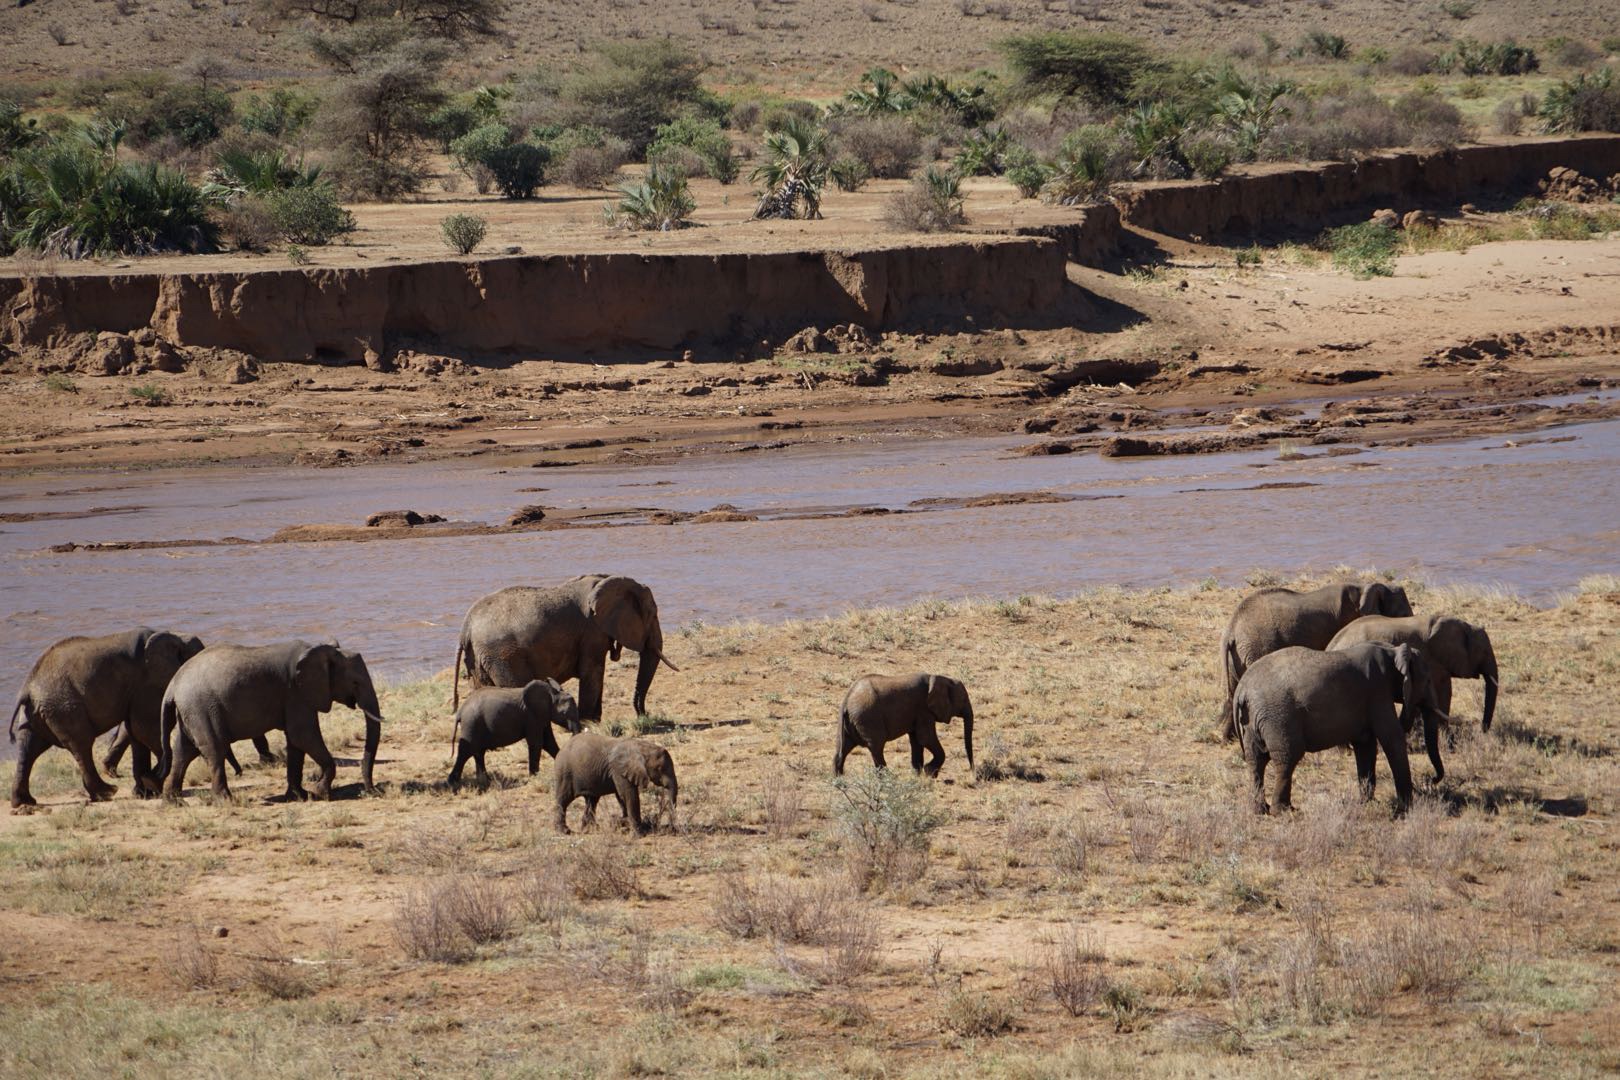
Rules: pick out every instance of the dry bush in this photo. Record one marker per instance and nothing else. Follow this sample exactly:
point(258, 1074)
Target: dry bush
point(546, 899)
point(480, 908)
point(974, 1015)
point(795, 911)
point(1071, 966)
point(196, 964)
point(1532, 902)
point(783, 802)
point(426, 927)
point(1429, 838)
point(886, 818)
point(273, 972)
point(1412, 952)
point(599, 869)
point(850, 941)
point(591, 166)
point(1144, 829)
point(1409, 60)
point(1069, 840)
point(888, 146)
point(247, 225)
point(1297, 966)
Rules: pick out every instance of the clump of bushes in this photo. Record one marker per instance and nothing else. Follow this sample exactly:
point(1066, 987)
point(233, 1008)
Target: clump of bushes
point(888, 146)
point(379, 116)
point(1102, 69)
point(1588, 102)
point(692, 145)
point(631, 89)
point(1089, 163)
point(1469, 57)
point(661, 201)
point(265, 196)
point(933, 202)
point(1365, 249)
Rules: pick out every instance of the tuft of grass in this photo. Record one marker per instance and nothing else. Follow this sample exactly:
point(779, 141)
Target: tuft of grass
point(975, 1015)
point(1365, 250)
point(61, 384)
point(148, 394)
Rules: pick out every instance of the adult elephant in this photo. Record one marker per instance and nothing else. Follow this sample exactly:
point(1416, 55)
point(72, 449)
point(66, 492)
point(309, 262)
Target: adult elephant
point(1273, 619)
point(83, 687)
point(120, 743)
point(1454, 649)
point(232, 692)
point(1297, 701)
point(567, 631)
point(881, 708)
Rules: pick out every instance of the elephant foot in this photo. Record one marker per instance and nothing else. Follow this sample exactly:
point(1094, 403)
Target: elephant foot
point(102, 793)
point(291, 795)
point(109, 767)
point(1261, 808)
point(269, 759)
point(27, 808)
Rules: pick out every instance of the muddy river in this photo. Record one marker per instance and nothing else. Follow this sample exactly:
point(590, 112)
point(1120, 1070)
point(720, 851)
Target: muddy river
point(1534, 517)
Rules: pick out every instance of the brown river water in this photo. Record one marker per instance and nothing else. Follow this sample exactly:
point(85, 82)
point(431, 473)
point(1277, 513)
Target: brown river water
point(1533, 518)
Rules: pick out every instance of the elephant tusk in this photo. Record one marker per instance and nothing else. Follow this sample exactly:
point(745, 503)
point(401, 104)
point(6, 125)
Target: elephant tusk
point(662, 659)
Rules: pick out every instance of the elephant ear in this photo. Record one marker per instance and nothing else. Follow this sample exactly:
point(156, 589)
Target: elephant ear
point(1409, 662)
point(939, 698)
point(135, 643)
point(624, 610)
point(1349, 603)
point(1447, 644)
point(312, 675)
point(165, 652)
point(630, 758)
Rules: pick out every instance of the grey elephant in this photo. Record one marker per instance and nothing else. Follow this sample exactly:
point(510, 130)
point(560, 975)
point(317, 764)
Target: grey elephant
point(881, 708)
point(1298, 701)
point(1273, 619)
point(1454, 649)
point(120, 742)
point(493, 717)
point(564, 632)
point(82, 687)
point(228, 693)
point(591, 766)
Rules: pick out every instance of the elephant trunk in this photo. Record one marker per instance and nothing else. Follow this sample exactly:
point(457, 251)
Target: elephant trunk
point(652, 650)
point(1489, 674)
point(674, 796)
point(1431, 739)
point(967, 735)
point(373, 714)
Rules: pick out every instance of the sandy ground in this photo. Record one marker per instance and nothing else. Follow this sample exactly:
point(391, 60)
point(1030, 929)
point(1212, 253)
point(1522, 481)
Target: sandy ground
point(1477, 936)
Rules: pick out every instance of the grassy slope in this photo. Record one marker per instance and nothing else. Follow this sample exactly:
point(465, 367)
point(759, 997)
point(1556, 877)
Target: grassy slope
point(1485, 939)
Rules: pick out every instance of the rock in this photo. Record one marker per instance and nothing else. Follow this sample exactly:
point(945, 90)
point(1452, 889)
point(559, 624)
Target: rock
point(1385, 219)
point(1469, 208)
point(395, 519)
point(965, 366)
point(717, 515)
point(110, 354)
point(162, 356)
point(808, 340)
point(222, 931)
point(1420, 219)
point(696, 390)
point(1567, 185)
point(1330, 377)
point(527, 515)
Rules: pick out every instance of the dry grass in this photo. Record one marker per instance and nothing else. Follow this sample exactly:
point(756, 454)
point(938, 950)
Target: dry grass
point(1475, 935)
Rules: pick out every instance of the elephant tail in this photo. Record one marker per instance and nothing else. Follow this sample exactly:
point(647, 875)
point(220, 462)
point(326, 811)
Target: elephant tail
point(1240, 721)
point(169, 717)
point(455, 679)
point(1229, 667)
point(841, 750)
point(25, 705)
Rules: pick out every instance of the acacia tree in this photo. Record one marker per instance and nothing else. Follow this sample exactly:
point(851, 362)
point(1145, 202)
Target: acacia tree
point(379, 116)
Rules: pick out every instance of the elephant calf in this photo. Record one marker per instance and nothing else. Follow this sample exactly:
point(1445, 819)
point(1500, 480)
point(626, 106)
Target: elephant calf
point(591, 766)
point(491, 718)
point(881, 708)
point(1298, 701)
point(1453, 648)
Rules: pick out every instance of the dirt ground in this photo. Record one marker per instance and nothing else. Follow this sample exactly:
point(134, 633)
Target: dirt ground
point(1103, 863)
point(800, 46)
point(1455, 343)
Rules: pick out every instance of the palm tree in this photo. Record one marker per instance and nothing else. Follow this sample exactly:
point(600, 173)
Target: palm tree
point(794, 171)
point(1250, 110)
point(884, 95)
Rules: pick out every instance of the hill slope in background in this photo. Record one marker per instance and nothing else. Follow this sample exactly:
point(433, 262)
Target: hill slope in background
point(792, 44)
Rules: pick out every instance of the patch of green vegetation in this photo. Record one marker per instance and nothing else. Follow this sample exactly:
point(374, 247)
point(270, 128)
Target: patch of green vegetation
point(1365, 250)
point(1550, 985)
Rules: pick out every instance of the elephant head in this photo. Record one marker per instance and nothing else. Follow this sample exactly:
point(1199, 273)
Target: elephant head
point(1381, 599)
point(160, 653)
point(324, 675)
point(1464, 651)
point(547, 702)
point(1416, 689)
point(646, 764)
point(625, 611)
point(948, 698)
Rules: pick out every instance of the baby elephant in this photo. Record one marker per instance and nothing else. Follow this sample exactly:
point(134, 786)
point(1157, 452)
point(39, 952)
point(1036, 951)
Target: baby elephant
point(491, 718)
point(881, 708)
point(591, 766)
point(1297, 701)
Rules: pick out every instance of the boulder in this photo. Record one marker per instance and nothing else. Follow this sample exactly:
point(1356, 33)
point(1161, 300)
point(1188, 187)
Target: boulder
point(1420, 219)
point(1385, 219)
point(396, 519)
point(527, 515)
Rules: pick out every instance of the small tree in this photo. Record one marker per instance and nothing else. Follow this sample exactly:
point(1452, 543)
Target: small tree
point(380, 114)
point(1101, 68)
point(463, 232)
point(631, 88)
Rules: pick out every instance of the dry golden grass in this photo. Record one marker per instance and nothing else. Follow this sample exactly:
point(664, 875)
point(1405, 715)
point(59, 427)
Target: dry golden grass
point(1107, 905)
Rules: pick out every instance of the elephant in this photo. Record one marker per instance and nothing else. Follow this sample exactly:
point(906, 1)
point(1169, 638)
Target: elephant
point(1453, 648)
point(1273, 619)
point(563, 632)
point(880, 708)
point(591, 766)
point(493, 717)
point(231, 692)
point(1297, 701)
point(121, 740)
point(82, 687)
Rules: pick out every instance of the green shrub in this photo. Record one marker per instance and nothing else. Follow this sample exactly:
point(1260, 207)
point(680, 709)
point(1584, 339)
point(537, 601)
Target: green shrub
point(309, 214)
point(71, 197)
point(878, 93)
point(518, 168)
point(984, 152)
point(588, 157)
point(149, 394)
point(470, 150)
point(1099, 68)
point(1087, 165)
point(1249, 110)
point(1155, 130)
point(849, 173)
point(1027, 173)
point(931, 203)
point(463, 232)
point(282, 113)
point(704, 138)
point(1469, 57)
point(1365, 249)
point(240, 171)
point(380, 112)
point(16, 133)
point(149, 110)
point(885, 818)
point(660, 201)
point(632, 88)
point(1588, 102)
point(1209, 155)
point(61, 384)
point(1327, 46)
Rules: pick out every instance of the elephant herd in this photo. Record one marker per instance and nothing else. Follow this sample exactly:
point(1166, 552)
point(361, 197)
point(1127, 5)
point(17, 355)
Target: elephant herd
point(1303, 671)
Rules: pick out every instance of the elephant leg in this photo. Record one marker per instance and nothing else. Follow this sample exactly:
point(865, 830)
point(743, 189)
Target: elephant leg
point(115, 749)
point(916, 752)
point(1366, 766)
point(463, 752)
point(95, 787)
point(1258, 760)
point(592, 674)
point(182, 752)
point(877, 756)
point(33, 743)
point(140, 767)
point(564, 796)
point(534, 755)
point(1393, 742)
point(1282, 797)
point(262, 745)
point(589, 820)
point(230, 759)
point(295, 775)
point(478, 764)
point(936, 754)
point(216, 766)
point(629, 797)
point(303, 730)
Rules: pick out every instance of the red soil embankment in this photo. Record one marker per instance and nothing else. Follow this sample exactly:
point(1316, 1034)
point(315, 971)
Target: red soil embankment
point(1275, 199)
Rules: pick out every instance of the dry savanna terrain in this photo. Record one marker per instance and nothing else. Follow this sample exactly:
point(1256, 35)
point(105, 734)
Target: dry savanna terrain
point(1097, 900)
